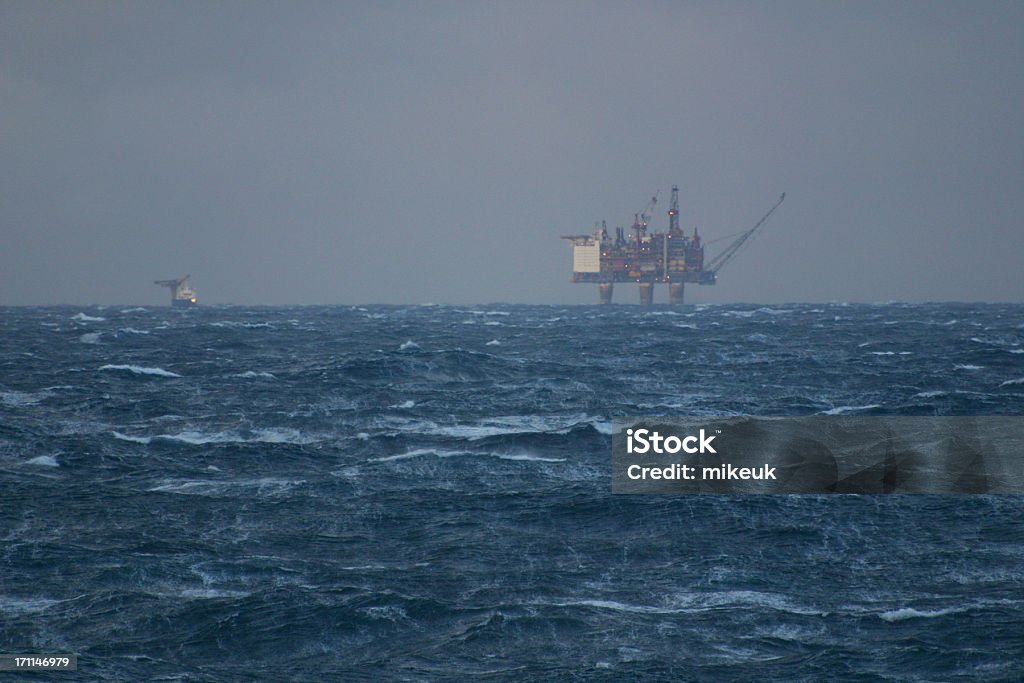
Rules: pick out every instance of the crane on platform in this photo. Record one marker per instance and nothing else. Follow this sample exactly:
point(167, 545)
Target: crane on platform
point(643, 218)
point(716, 263)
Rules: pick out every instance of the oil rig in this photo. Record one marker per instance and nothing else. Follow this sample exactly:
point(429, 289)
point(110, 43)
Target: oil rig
point(672, 257)
point(182, 293)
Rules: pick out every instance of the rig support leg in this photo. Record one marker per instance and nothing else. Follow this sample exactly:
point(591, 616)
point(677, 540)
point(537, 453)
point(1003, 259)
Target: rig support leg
point(646, 293)
point(605, 289)
point(675, 292)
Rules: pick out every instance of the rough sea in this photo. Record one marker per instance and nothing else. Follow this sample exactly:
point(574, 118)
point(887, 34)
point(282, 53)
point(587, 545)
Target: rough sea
point(423, 493)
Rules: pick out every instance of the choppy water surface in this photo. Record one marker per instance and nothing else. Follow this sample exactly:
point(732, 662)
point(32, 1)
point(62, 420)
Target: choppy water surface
point(423, 493)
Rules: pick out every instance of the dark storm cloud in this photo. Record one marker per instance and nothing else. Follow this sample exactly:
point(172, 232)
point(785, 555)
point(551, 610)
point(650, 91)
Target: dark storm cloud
point(338, 152)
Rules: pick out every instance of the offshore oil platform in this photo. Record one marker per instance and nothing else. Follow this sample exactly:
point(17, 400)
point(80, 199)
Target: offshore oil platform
point(672, 257)
point(182, 293)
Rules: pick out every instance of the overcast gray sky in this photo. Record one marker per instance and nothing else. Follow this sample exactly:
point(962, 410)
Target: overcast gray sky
point(346, 152)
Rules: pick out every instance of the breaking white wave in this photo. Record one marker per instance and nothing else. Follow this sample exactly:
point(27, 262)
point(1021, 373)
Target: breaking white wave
point(843, 410)
point(20, 399)
point(404, 405)
point(132, 330)
point(236, 324)
point(930, 394)
point(252, 374)
point(44, 461)
point(1012, 382)
point(137, 309)
point(263, 486)
point(194, 438)
point(90, 338)
point(14, 605)
point(509, 425)
point(409, 345)
point(82, 317)
point(700, 602)
point(525, 457)
point(140, 370)
point(417, 453)
point(493, 342)
point(967, 366)
point(911, 613)
point(132, 439)
point(614, 605)
point(440, 453)
point(211, 594)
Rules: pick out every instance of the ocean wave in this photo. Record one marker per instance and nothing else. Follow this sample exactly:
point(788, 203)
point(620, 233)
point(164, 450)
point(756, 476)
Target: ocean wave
point(843, 410)
point(262, 486)
point(1012, 382)
point(252, 374)
point(408, 346)
point(16, 605)
point(701, 602)
point(132, 330)
point(194, 438)
point(82, 317)
point(131, 439)
point(44, 461)
point(441, 453)
point(209, 594)
point(140, 370)
point(910, 613)
point(419, 452)
point(930, 394)
point(525, 457)
point(509, 425)
point(611, 605)
point(21, 399)
point(968, 366)
point(90, 338)
point(241, 325)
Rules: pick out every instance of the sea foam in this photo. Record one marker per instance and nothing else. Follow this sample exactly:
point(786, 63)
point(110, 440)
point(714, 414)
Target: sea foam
point(140, 370)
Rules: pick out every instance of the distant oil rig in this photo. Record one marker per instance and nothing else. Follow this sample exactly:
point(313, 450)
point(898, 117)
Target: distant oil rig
point(672, 257)
point(182, 293)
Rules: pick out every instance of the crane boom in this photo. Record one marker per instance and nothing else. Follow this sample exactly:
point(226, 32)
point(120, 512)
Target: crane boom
point(645, 214)
point(182, 293)
point(730, 251)
point(173, 284)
